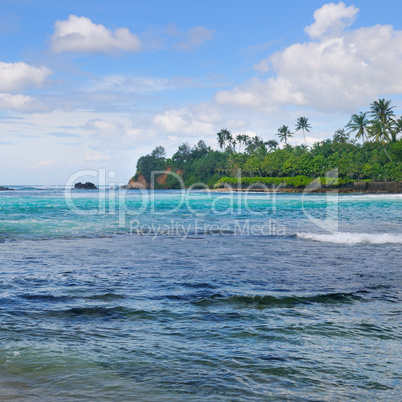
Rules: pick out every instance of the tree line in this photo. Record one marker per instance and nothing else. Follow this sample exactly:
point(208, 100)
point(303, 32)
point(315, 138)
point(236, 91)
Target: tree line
point(366, 148)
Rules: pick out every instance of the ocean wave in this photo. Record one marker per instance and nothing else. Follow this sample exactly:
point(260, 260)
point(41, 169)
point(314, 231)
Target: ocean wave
point(278, 302)
point(353, 238)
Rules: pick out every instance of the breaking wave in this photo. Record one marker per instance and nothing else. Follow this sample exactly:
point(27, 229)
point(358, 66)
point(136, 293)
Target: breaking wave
point(353, 238)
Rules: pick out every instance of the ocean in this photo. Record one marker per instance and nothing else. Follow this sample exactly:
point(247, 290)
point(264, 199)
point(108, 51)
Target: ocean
point(175, 295)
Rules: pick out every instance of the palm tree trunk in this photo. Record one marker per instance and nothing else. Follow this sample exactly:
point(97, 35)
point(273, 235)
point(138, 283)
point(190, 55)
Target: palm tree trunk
point(386, 152)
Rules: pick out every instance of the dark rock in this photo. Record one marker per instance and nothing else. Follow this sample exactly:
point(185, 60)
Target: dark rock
point(6, 189)
point(87, 186)
point(360, 185)
point(384, 187)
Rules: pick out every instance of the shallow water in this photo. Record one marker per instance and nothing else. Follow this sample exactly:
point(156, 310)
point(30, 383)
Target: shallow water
point(248, 303)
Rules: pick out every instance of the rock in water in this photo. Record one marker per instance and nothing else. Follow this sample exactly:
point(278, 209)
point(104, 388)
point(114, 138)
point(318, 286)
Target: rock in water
point(87, 186)
point(6, 188)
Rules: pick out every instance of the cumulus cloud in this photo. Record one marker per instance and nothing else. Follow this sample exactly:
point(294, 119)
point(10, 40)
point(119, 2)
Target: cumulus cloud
point(183, 121)
point(338, 69)
point(195, 37)
point(331, 20)
point(80, 34)
point(15, 77)
point(21, 103)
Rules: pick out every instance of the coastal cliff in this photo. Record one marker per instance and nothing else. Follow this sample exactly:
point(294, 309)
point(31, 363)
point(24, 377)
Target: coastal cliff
point(161, 180)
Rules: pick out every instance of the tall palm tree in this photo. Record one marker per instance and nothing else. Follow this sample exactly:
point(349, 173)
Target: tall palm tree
point(241, 140)
point(284, 133)
point(224, 136)
point(221, 139)
point(341, 136)
point(379, 132)
point(303, 124)
point(358, 123)
point(381, 110)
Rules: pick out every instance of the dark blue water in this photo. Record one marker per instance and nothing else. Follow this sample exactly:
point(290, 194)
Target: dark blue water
point(88, 310)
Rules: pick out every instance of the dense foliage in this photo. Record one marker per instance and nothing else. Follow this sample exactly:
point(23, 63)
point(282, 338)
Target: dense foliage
point(377, 157)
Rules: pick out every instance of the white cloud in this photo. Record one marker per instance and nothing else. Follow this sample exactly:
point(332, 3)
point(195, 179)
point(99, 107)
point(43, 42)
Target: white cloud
point(15, 77)
point(341, 71)
point(101, 125)
point(80, 34)
point(182, 121)
point(331, 20)
point(195, 37)
point(115, 134)
point(21, 103)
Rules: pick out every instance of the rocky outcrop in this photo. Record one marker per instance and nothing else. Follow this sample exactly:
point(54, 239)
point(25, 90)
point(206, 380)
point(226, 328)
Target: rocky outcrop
point(6, 189)
point(139, 183)
point(160, 180)
point(87, 186)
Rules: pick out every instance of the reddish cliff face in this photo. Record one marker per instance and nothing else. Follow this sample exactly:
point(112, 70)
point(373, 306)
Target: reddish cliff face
point(138, 184)
point(160, 180)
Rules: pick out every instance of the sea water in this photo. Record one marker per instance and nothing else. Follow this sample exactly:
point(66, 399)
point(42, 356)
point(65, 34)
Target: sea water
point(174, 295)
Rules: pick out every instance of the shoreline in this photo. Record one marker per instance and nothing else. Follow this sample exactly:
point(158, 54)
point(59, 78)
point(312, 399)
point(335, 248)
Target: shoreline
point(301, 190)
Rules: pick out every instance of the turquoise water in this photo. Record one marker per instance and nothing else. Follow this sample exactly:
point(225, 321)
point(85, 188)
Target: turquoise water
point(177, 296)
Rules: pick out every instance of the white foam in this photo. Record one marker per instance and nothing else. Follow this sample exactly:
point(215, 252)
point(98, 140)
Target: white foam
point(353, 238)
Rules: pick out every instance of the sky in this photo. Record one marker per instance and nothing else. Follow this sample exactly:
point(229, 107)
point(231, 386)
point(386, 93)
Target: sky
point(89, 85)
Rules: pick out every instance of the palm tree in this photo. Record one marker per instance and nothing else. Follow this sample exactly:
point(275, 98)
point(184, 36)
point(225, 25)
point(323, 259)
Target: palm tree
point(224, 136)
point(303, 124)
point(284, 133)
point(221, 139)
point(396, 129)
point(341, 136)
point(272, 144)
point(241, 139)
point(358, 123)
point(381, 110)
point(379, 132)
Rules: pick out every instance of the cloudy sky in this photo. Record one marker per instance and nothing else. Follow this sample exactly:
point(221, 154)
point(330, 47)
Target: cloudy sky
point(96, 84)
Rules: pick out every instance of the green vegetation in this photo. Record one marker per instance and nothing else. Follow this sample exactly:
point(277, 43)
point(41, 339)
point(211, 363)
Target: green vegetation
point(377, 157)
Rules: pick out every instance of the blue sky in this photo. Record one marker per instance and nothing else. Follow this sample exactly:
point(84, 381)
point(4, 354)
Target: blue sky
point(96, 84)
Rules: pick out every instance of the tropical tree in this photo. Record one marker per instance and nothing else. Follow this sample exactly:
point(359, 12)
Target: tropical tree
point(382, 111)
point(224, 137)
point(272, 144)
point(379, 132)
point(396, 129)
point(358, 123)
point(284, 133)
point(159, 152)
point(341, 136)
point(241, 139)
point(303, 124)
point(253, 143)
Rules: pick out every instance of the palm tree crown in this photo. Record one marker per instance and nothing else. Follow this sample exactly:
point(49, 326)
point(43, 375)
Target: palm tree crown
point(224, 136)
point(341, 136)
point(358, 123)
point(381, 110)
point(284, 133)
point(303, 124)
